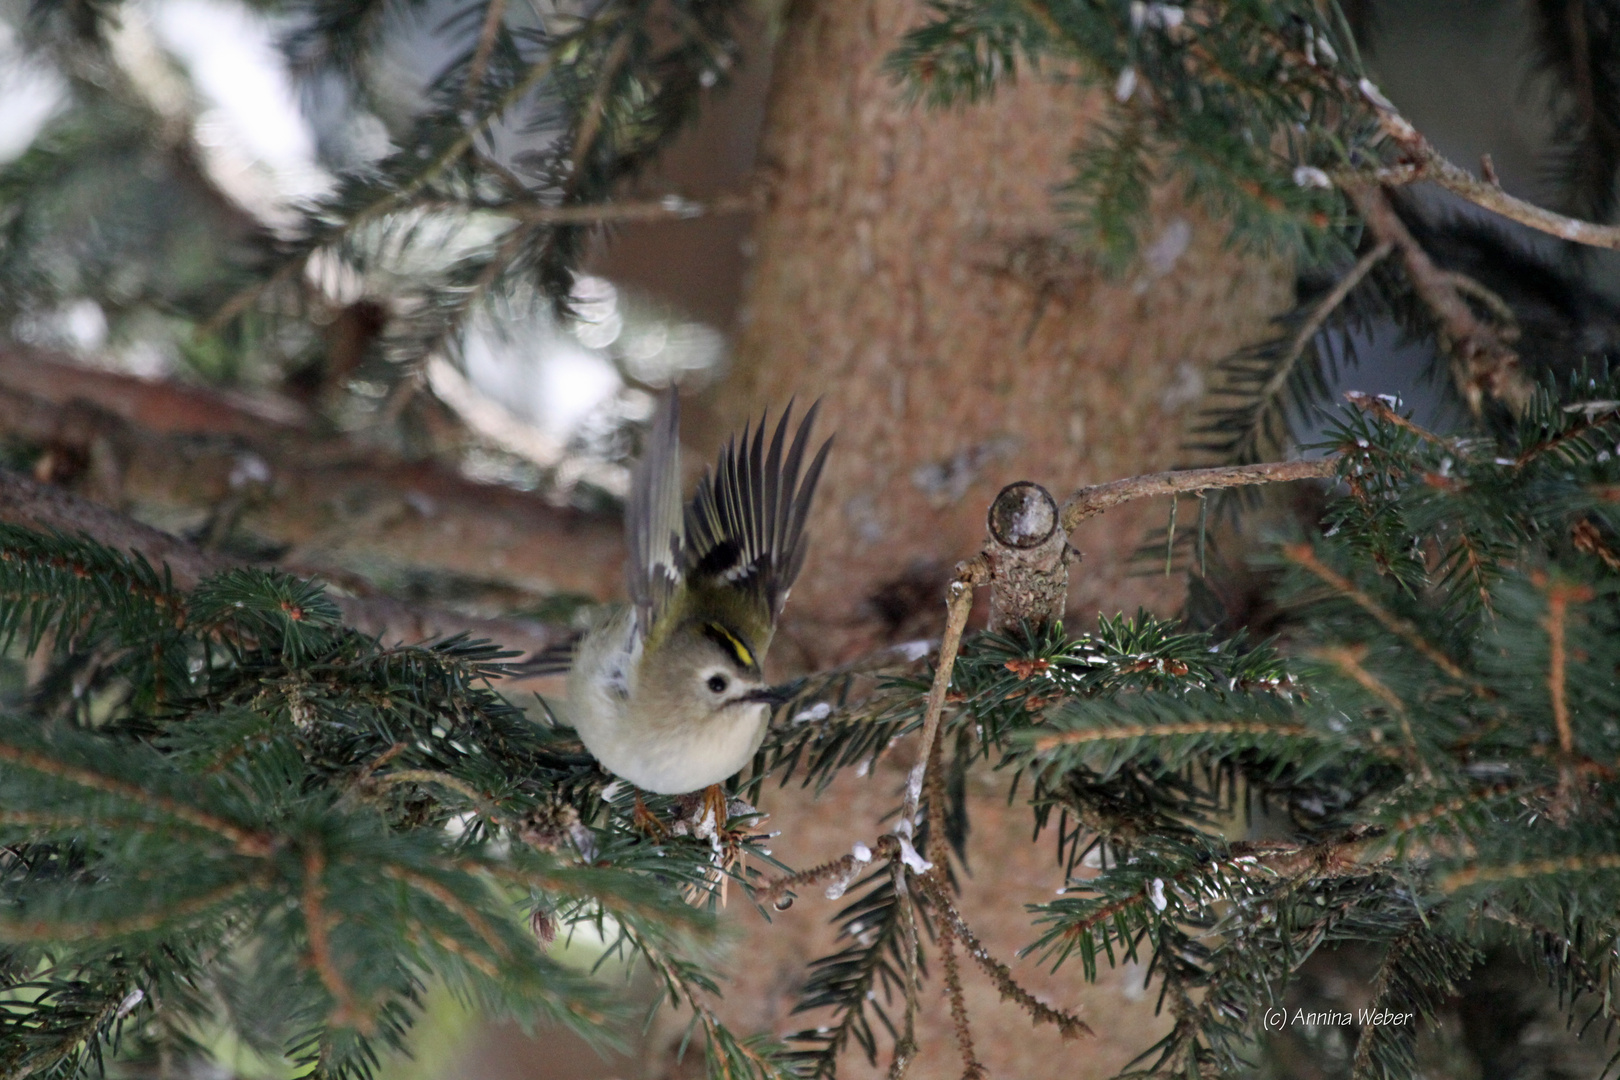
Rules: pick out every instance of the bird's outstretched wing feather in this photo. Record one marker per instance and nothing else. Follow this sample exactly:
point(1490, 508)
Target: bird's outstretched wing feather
point(745, 524)
point(655, 523)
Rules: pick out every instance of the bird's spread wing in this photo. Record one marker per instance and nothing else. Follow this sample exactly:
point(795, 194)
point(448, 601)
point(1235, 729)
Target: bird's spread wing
point(653, 518)
point(745, 524)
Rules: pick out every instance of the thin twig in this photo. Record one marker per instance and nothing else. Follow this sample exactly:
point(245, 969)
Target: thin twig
point(1319, 315)
point(1070, 1025)
point(486, 45)
point(905, 1044)
point(886, 848)
point(1090, 501)
point(958, 604)
point(631, 211)
point(1381, 410)
point(1460, 181)
point(428, 776)
point(972, 1068)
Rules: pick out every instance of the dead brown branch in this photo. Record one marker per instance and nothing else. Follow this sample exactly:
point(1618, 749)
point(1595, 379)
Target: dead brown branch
point(1430, 165)
point(1067, 1023)
point(959, 603)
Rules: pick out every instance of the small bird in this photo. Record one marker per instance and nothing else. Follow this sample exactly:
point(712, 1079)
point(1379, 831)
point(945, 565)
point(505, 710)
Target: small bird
point(670, 693)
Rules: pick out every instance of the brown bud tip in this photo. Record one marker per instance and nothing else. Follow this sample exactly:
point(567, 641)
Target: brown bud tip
point(1023, 515)
point(544, 927)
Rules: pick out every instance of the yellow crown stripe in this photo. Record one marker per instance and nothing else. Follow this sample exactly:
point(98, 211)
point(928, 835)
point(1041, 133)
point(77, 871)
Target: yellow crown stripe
point(739, 651)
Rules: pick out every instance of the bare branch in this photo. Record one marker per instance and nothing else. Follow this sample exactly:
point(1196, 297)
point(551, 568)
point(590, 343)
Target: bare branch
point(181, 448)
point(42, 506)
point(959, 603)
point(1454, 178)
point(1090, 501)
point(631, 211)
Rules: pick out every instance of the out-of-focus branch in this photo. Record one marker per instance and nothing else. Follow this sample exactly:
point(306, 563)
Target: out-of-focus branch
point(43, 506)
point(180, 448)
point(1483, 364)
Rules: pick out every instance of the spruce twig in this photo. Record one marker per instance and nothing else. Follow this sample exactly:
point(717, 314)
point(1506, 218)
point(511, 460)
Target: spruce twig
point(1304, 556)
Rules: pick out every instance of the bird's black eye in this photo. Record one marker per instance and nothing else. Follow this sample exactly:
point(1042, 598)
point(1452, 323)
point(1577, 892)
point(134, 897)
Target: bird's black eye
point(718, 684)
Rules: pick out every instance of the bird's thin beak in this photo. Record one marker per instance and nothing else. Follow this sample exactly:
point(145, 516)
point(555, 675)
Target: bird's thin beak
point(772, 695)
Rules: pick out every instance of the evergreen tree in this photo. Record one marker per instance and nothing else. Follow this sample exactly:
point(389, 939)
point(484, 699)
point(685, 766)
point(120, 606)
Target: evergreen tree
point(222, 809)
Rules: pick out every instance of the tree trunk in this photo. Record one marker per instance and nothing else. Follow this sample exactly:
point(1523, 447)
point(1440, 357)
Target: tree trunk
point(911, 272)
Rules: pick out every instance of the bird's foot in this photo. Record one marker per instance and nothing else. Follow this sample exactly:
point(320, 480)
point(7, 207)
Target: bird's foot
point(715, 808)
point(645, 820)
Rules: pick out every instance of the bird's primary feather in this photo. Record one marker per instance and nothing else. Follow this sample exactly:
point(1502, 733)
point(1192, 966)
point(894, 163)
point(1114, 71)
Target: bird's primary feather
point(656, 533)
point(745, 524)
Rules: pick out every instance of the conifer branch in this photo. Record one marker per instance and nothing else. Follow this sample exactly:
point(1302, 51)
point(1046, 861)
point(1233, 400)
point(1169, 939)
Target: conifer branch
point(392, 199)
point(1126, 733)
point(1384, 413)
point(1287, 364)
point(1584, 536)
point(1068, 1025)
point(487, 34)
point(41, 930)
point(449, 944)
point(1089, 501)
point(317, 927)
point(1347, 658)
point(1559, 596)
point(1594, 418)
point(243, 841)
point(42, 506)
point(438, 892)
point(1303, 556)
point(1518, 871)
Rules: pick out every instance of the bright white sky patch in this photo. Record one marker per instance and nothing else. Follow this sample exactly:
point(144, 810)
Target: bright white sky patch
point(29, 94)
point(260, 148)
